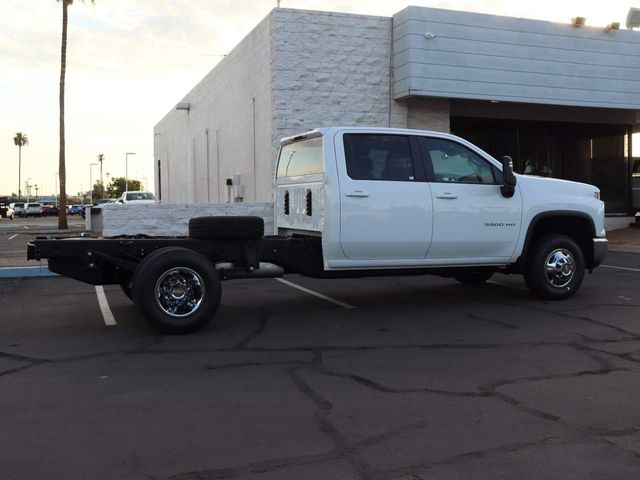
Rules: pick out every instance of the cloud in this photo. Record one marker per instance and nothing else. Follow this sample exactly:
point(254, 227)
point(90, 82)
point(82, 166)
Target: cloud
point(130, 61)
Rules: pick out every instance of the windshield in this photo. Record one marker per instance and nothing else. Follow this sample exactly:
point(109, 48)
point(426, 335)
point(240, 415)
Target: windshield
point(139, 196)
point(34, 205)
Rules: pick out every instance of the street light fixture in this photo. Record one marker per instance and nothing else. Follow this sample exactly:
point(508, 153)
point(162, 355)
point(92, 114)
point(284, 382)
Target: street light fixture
point(126, 170)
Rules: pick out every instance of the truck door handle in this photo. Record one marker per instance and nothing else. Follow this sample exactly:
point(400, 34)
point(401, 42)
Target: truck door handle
point(357, 193)
point(447, 196)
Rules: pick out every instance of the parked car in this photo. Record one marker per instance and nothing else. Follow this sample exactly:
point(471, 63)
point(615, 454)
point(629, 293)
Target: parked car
point(75, 209)
point(137, 198)
point(4, 208)
point(9, 213)
point(32, 210)
point(50, 211)
point(17, 207)
point(102, 201)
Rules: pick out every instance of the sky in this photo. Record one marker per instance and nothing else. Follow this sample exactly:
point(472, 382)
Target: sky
point(130, 61)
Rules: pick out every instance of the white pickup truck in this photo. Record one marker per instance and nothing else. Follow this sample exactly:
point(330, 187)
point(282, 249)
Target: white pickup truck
point(360, 202)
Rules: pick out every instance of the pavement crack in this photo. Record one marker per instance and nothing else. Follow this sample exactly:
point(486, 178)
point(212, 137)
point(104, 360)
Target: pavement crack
point(511, 448)
point(263, 320)
point(22, 358)
point(366, 382)
point(324, 423)
point(628, 356)
point(257, 467)
point(17, 369)
point(631, 334)
point(253, 364)
point(490, 320)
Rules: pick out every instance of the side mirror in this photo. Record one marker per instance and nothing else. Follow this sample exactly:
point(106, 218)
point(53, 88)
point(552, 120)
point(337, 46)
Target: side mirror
point(509, 180)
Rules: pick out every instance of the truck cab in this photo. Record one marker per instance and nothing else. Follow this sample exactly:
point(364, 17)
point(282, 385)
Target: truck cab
point(391, 198)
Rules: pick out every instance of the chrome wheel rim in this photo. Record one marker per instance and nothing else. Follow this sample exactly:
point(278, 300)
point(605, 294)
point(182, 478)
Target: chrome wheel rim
point(559, 267)
point(179, 292)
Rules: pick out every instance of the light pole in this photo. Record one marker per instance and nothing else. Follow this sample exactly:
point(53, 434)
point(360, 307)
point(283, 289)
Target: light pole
point(28, 188)
point(91, 165)
point(126, 170)
point(56, 188)
point(100, 160)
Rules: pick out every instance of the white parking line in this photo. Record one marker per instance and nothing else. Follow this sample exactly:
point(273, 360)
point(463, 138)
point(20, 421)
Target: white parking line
point(13, 236)
point(622, 268)
point(107, 314)
point(315, 294)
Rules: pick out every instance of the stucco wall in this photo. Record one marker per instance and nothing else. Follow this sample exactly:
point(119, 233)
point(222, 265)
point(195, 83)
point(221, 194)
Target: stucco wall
point(305, 69)
point(332, 69)
point(426, 113)
point(226, 130)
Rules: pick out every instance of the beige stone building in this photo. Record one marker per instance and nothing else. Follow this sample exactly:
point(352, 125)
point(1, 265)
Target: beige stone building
point(562, 101)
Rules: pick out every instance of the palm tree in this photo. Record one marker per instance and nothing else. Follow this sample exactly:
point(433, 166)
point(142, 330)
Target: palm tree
point(62, 218)
point(20, 140)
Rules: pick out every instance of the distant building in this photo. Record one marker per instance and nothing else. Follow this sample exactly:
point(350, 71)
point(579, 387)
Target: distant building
point(562, 101)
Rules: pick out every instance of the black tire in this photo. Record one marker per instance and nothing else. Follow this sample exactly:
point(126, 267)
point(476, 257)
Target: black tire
point(126, 289)
point(226, 228)
point(555, 267)
point(194, 278)
point(474, 277)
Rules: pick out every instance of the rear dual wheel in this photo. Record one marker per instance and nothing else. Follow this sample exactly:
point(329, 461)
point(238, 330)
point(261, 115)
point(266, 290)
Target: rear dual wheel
point(177, 290)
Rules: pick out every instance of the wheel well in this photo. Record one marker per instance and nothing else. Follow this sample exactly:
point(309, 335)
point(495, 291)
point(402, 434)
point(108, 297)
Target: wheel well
point(577, 227)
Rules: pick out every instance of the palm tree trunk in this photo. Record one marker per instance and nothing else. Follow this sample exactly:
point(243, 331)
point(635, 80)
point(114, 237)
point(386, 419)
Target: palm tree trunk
point(19, 169)
point(62, 218)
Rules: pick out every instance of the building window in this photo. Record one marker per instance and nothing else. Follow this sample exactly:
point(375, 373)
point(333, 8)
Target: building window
point(597, 154)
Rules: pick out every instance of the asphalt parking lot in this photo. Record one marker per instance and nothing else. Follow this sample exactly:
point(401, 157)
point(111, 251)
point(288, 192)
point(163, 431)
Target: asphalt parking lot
point(378, 378)
point(14, 235)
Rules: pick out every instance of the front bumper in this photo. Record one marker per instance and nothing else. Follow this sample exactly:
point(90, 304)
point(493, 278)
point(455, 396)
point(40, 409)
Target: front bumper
point(600, 249)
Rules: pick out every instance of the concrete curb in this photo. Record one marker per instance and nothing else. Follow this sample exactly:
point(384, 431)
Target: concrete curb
point(25, 272)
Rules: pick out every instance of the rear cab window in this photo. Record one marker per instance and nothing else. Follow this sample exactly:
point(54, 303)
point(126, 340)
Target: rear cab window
point(301, 158)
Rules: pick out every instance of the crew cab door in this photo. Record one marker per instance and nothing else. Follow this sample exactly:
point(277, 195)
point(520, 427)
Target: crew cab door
point(471, 218)
point(385, 202)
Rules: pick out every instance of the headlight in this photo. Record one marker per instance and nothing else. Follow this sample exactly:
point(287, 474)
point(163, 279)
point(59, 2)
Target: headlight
point(597, 195)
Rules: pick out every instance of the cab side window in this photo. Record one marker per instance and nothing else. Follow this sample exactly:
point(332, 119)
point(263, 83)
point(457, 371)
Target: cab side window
point(379, 157)
point(455, 163)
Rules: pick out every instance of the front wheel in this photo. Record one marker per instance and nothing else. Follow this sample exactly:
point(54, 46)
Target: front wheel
point(177, 290)
point(555, 267)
